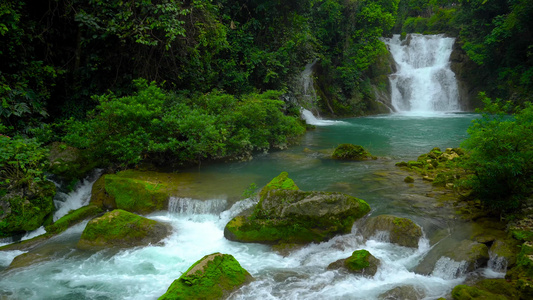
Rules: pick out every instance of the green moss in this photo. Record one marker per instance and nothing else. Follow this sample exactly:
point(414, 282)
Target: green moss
point(28, 213)
point(358, 260)
point(212, 277)
point(351, 152)
point(465, 292)
point(409, 179)
point(135, 195)
point(282, 181)
point(122, 229)
point(72, 218)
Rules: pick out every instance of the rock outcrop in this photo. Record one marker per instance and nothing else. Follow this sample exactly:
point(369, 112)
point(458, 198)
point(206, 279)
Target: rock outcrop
point(286, 214)
point(402, 231)
point(360, 262)
point(214, 276)
point(121, 229)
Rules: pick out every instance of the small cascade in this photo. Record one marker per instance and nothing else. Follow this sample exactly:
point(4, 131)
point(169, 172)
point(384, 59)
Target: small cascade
point(188, 206)
point(80, 196)
point(307, 91)
point(312, 120)
point(447, 268)
point(496, 266)
point(381, 236)
point(424, 81)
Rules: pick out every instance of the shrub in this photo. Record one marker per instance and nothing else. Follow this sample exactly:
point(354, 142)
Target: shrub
point(502, 156)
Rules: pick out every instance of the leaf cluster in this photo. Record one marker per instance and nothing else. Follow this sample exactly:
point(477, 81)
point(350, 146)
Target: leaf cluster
point(164, 127)
point(501, 157)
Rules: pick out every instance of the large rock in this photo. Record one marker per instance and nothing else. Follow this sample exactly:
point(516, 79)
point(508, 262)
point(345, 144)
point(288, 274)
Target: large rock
point(472, 255)
point(69, 163)
point(402, 231)
point(361, 262)
point(286, 214)
point(134, 193)
point(214, 276)
point(487, 289)
point(404, 292)
point(121, 229)
point(351, 152)
point(26, 210)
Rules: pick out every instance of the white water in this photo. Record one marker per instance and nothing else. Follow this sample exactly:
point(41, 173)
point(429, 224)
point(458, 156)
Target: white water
point(146, 273)
point(80, 196)
point(312, 120)
point(424, 82)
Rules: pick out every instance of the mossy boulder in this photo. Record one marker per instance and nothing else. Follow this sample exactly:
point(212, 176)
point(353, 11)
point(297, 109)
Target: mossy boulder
point(506, 249)
point(402, 231)
point(214, 276)
point(121, 229)
point(522, 274)
point(27, 210)
point(351, 152)
point(72, 218)
point(360, 262)
point(473, 254)
point(136, 194)
point(69, 163)
point(486, 289)
point(100, 197)
point(288, 215)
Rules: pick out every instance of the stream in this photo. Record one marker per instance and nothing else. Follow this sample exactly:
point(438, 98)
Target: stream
point(198, 217)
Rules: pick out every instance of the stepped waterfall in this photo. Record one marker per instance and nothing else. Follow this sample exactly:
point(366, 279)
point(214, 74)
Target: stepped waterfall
point(424, 81)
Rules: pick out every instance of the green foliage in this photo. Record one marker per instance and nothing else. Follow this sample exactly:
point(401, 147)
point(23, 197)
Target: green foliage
point(502, 156)
point(22, 162)
point(162, 126)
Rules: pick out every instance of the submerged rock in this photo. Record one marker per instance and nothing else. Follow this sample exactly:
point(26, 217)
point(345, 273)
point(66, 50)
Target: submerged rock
point(286, 214)
point(361, 262)
point(405, 292)
point(121, 229)
point(351, 152)
point(214, 276)
point(402, 231)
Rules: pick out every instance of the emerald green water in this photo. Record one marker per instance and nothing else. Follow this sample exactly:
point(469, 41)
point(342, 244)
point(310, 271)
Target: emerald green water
point(392, 138)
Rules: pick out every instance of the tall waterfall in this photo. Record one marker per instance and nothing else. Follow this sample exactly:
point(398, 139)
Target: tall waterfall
point(424, 81)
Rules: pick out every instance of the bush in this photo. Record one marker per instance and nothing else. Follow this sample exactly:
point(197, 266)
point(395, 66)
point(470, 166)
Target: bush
point(163, 126)
point(502, 156)
point(22, 161)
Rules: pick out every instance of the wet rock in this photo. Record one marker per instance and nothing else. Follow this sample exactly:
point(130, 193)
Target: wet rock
point(27, 259)
point(474, 255)
point(69, 163)
point(214, 276)
point(26, 210)
point(405, 292)
point(360, 262)
point(487, 289)
point(137, 191)
point(121, 229)
point(403, 232)
point(100, 197)
point(285, 214)
point(409, 179)
point(73, 218)
point(351, 152)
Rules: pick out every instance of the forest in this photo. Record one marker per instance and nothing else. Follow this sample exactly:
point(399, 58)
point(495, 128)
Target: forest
point(164, 81)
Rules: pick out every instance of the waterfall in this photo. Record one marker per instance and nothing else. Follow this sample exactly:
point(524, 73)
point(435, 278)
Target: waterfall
point(424, 81)
point(188, 206)
point(308, 93)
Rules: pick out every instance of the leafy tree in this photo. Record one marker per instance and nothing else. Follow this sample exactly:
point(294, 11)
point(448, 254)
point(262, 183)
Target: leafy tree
point(502, 156)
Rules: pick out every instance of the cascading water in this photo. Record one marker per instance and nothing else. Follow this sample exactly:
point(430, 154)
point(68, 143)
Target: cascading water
point(424, 81)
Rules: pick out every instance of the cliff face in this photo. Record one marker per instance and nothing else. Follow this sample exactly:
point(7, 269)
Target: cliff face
point(471, 78)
